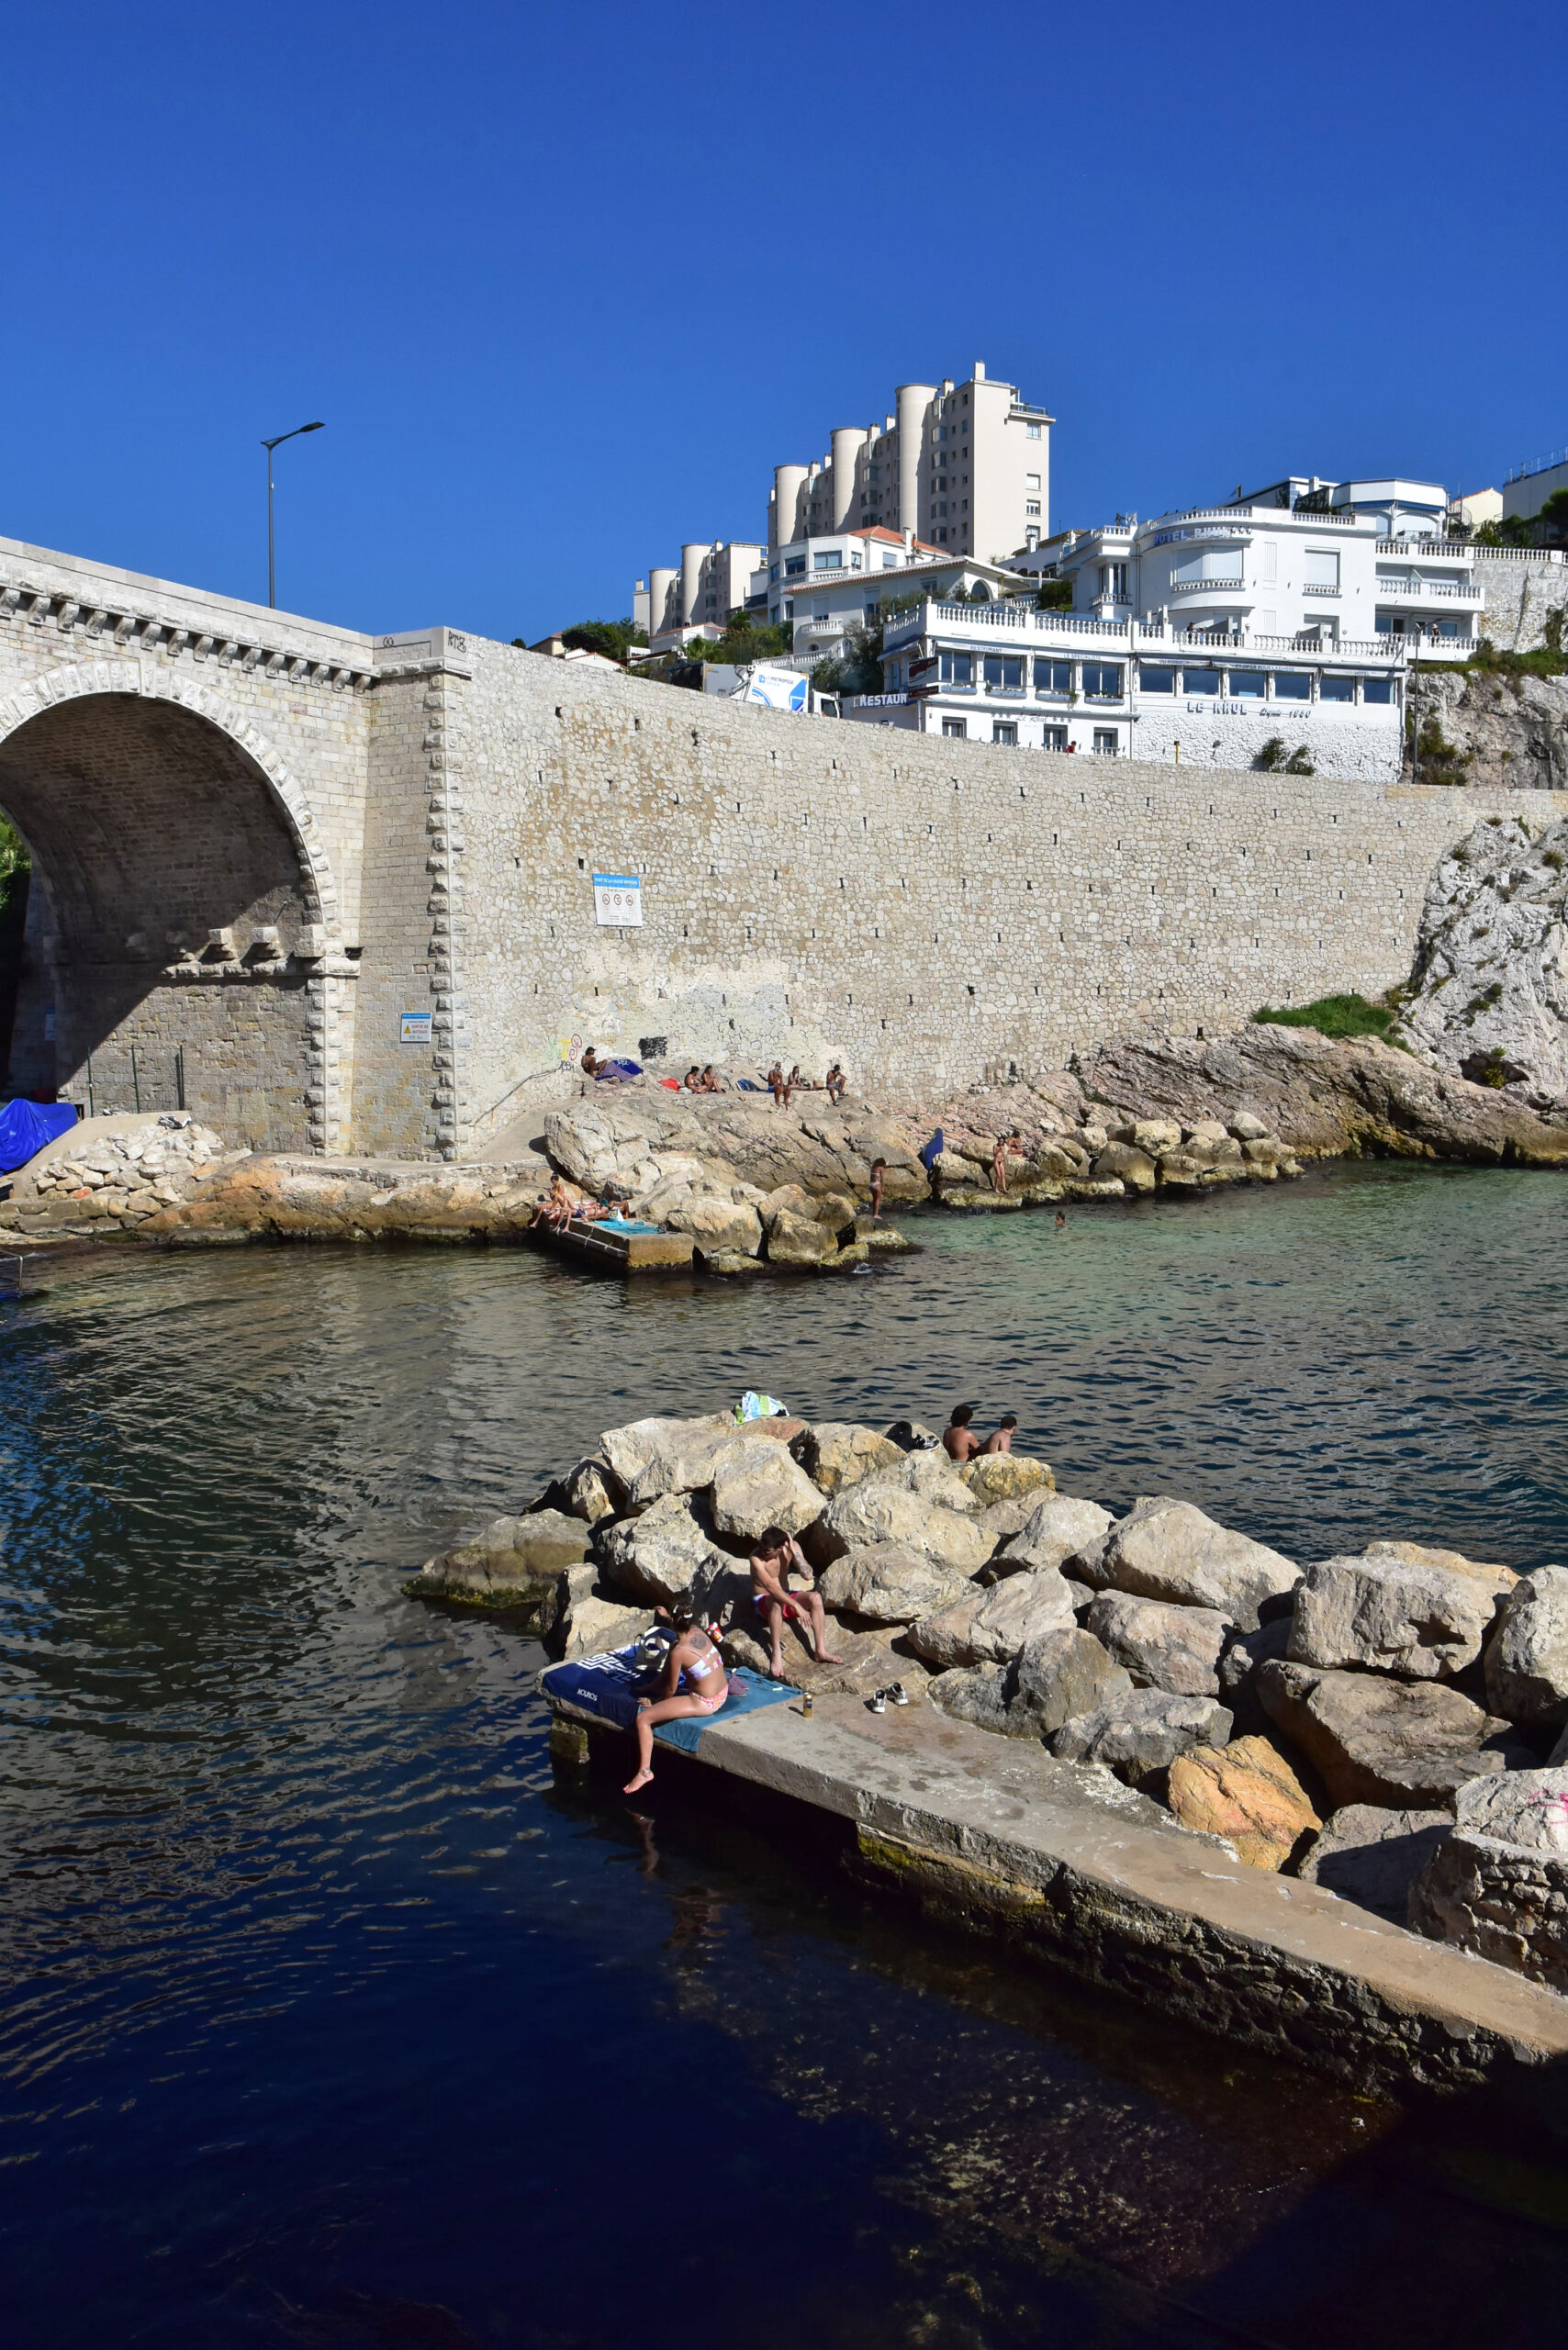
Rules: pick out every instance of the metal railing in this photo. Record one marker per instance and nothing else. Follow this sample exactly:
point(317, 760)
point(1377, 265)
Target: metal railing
point(1522, 472)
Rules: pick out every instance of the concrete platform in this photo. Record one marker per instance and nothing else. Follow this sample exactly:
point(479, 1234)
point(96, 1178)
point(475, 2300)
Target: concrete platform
point(1063, 1862)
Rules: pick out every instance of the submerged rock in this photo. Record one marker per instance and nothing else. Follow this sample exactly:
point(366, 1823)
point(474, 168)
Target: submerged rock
point(513, 1564)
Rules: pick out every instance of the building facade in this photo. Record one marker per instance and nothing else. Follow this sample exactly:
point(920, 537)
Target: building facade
point(709, 583)
point(1528, 488)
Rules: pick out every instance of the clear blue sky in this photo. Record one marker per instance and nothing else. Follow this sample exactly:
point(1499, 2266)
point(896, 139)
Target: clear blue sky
point(566, 284)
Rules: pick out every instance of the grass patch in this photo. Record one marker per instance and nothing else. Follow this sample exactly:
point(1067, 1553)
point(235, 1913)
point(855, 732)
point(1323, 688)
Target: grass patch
point(1332, 1015)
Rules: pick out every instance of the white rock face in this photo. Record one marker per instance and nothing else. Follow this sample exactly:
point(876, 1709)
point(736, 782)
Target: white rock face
point(665, 1555)
point(1490, 993)
point(755, 1484)
point(1526, 1657)
point(875, 1511)
point(887, 1584)
point(639, 1444)
point(1055, 1529)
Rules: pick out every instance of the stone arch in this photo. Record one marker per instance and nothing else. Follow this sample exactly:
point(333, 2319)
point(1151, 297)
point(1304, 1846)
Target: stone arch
point(188, 908)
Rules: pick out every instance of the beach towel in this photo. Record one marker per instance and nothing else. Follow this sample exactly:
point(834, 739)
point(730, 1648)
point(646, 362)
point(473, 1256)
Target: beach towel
point(747, 1085)
point(928, 1156)
point(26, 1127)
point(609, 1685)
point(748, 1693)
point(619, 1072)
point(754, 1405)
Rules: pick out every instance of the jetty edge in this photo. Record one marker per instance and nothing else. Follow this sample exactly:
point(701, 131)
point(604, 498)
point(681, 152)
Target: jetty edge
point(1369, 1751)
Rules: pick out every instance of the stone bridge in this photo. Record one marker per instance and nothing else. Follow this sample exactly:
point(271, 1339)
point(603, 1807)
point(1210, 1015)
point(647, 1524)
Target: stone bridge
point(335, 890)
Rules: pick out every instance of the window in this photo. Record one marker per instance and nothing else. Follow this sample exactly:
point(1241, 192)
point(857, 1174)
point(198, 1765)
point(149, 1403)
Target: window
point(889, 563)
point(1102, 680)
point(1113, 581)
point(1031, 481)
point(821, 613)
point(1004, 730)
point(1336, 689)
point(1053, 678)
point(829, 562)
point(869, 610)
point(1377, 688)
point(1248, 685)
point(1270, 564)
point(1105, 742)
point(1054, 739)
point(1292, 685)
point(958, 727)
point(1031, 432)
point(857, 563)
point(957, 669)
point(773, 571)
point(1320, 568)
point(1032, 506)
point(1222, 570)
point(793, 564)
point(1005, 672)
point(1156, 681)
point(1201, 681)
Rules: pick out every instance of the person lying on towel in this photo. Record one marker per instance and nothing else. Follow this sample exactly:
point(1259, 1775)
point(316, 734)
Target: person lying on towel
point(695, 1682)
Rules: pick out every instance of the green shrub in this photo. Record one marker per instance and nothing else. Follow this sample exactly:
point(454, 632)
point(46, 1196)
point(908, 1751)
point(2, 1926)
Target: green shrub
point(1331, 1015)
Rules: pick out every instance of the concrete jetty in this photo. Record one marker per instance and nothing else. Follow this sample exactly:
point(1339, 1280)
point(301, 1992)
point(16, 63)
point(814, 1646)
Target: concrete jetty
point(1064, 1864)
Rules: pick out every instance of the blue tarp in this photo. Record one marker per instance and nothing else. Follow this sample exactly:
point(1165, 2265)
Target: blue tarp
point(27, 1126)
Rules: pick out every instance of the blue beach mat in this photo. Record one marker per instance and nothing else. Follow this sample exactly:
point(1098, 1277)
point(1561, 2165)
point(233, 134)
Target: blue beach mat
point(611, 1685)
point(27, 1127)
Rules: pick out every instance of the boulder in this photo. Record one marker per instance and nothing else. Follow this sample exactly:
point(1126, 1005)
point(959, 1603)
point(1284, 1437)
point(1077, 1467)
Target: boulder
point(1246, 1792)
point(642, 1443)
point(1406, 1745)
point(1526, 1657)
point(875, 1511)
point(592, 1491)
point(836, 1211)
point(665, 1555)
point(1393, 1612)
point(592, 1626)
point(1057, 1529)
point(936, 1479)
point(975, 1693)
point(1373, 1856)
point(1007, 1477)
point(799, 1240)
point(511, 1565)
point(719, 1226)
point(1139, 1733)
point(1238, 1674)
point(987, 1625)
point(1002, 1523)
point(1163, 1647)
point(756, 1486)
point(887, 1584)
point(836, 1453)
point(1168, 1550)
point(785, 1198)
point(686, 1462)
point(1060, 1675)
point(1499, 1884)
point(1124, 1163)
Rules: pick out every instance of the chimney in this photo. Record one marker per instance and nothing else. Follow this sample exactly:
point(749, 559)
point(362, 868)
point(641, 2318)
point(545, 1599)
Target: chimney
point(980, 371)
point(908, 542)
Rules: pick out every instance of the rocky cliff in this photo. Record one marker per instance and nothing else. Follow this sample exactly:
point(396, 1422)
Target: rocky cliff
point(1493, 730)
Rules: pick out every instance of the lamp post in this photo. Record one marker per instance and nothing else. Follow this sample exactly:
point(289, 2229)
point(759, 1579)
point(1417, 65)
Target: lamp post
point(269, 446)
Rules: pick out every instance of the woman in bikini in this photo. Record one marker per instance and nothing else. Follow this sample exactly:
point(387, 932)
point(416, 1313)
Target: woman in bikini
point(695, 1682)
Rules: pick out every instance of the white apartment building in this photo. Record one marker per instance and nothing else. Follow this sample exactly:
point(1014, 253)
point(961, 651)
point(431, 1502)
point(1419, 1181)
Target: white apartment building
point(965, 466)
point(822, 589)
point(712, 582)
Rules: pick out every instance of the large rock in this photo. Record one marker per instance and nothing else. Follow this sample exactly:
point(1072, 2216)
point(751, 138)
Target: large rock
point(591, 1627)
point(878, 1511)
point(1489, 992)
point(1123, 1161)
point(756, 1486)
point(975, 1693)
point(1059, 1675)
point(1373, 1856)
point(799, 1240)
point(1056, 1531)
point(887, 1584)
point(1007, 1477)
point(719, 1226)
point(1397, 1609)
point(1405, 1745)
point(642, 1446)
point(592, 1491)
point(1238, 1674)
point(987, 1625)
point(1498, 1885)
point(836, 1453)
point(1526, 1657)
point(511, 1565)
point(1168, 1550)
point(1140, 1734)
point(936, 1479)
point(1163, 1647)
point(666, 1554)
point(1246, 1792)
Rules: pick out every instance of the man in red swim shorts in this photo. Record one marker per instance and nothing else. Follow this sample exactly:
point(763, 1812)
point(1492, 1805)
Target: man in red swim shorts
point(770, 1562)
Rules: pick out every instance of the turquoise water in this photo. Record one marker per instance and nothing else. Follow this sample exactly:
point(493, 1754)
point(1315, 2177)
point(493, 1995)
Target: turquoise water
point(329, 2017)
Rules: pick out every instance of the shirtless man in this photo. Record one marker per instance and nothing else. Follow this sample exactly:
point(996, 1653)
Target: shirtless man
point(1002, 1440)
point(959, 1439)
point(774, 1601)
point(776, 1084)
point(695, 1682)
point(832, 1084)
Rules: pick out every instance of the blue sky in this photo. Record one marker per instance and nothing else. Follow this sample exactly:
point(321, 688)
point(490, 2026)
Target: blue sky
point(566, 285)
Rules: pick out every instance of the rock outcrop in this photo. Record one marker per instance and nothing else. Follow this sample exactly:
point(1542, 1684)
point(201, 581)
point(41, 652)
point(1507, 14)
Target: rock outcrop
point(1246, 1792)
point(1398, 1607)
point(1488, 995)
point(1499, 1884)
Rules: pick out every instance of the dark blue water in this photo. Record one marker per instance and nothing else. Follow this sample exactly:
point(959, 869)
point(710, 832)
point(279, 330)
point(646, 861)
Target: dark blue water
point(329, 2017)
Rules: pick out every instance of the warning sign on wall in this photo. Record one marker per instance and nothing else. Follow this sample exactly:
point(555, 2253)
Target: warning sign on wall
point(414, 1028)
point(618, 899)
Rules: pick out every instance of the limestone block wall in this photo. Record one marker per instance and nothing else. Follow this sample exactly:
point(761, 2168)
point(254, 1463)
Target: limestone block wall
point(923, 909)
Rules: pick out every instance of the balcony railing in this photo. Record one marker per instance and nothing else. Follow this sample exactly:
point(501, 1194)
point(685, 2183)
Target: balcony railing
point(1318, 587)
point(1416, 591)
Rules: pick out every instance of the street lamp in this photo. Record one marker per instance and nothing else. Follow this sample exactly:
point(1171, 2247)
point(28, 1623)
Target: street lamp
point(269, 446)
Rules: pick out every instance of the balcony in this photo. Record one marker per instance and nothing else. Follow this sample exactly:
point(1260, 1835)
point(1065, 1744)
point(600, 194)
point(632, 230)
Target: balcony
point(1007, 693)
point(1318, 587)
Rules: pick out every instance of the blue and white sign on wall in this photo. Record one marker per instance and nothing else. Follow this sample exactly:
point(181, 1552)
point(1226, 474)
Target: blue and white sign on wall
point(618, 899)
point(414, 1028)
point(777, 688)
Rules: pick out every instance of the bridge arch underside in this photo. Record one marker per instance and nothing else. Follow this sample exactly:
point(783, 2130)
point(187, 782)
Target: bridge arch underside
point(174, 896)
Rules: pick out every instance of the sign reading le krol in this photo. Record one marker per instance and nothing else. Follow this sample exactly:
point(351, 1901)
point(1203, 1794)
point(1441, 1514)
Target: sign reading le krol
point(618, 898)
point(414, 1028)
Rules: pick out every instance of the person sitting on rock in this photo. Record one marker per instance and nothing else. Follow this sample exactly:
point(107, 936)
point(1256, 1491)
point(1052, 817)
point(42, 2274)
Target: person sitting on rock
point(832, 1084)
point(776, 1604)
point(590, 1063)
point(692, 1082)
point(878, 1178)
point(557, 1207)
point(959, 1439)
point(1002, 1440)
point(707, 1083)
point(695, 1682)
point(1007, 1147)
point(776, 1084)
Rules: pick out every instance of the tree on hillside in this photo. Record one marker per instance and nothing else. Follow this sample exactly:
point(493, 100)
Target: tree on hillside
point(1547, 528)
point(609, 637)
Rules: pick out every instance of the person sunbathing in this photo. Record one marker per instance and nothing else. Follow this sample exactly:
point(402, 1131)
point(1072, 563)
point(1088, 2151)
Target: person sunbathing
point(695, 1682)
point(959, 1439)
point(1007, 1147)
point(707, 1083)
point(776, 1604)
point(557, 1206)
point(832, 1085)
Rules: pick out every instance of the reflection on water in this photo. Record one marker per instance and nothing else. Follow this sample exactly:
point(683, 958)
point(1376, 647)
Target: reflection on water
point(329, 2019)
